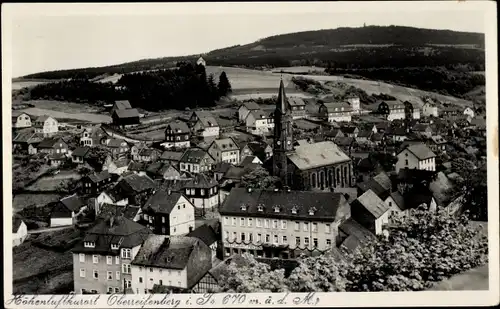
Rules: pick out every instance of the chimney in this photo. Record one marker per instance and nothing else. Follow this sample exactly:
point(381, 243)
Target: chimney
point(169, 191)
point(111, 221)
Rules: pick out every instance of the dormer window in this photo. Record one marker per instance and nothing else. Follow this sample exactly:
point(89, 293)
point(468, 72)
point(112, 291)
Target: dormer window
point(276, 209)
point(89, 244)
point(312, 211)
point(260, 208)
point(294, 210)
point(115, 246)
point(243, 207)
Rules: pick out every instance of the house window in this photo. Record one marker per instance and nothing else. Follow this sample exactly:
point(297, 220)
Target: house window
point(226, 220)
point(276, 240)
point(140, 279)
point(297, 241)
point(249, 221)
point(315, 227)
point(306, 241)
point(126, 268)
point(117, 290)
point(259, 237)
point(82, 272)
point(406, 162)
point(89, 244)
point(268, 238)
point(226, 235)
point(275, 224)
point(315, 242)
point(242, 236)
point(117, 260)
point(297, 226)
point(110, 275)
point(233, 221)
point(162, 219)
point(266, 223)
point(284, 240)
point(95, 259)
point(126, 253)
point(327, 228)
point(150, 270)
point(258, 222)
point(118, 275)
point(110, 290)
point(328, 242)
point(82, 257)
point(283, 224)
point(109, 260)
point(242, 221)
point(234, 236)
point(160, 282)
point(306, 226)
point(96, 274)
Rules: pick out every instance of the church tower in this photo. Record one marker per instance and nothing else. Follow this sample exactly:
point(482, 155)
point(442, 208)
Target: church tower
point(283, 137)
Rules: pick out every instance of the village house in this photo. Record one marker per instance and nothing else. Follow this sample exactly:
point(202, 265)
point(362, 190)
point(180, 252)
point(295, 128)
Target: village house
point(46, 125)
point(19, 230)
point(437, 143)
point(335, 112)
point(111, 196)
point(94, 183)
point(56, 159)
point(201, 61)
point(225, 150)
point(125, 117)
point(136, 188)
point(169, 261)
point(172, 157)
point(21, 121)
point(204, 124)
point(26, 142)
point(65, 211)
point(92, 137)
point(399, 134)
point(355, 103)
point(249, 161)
point(135, 149)
point(411, 112)
point(392, 109)
point(377, 138)
point(118, 147)
point(364, 137)
point(259, 122)
point(350, 131)
point(469, 112)
point(371, 212)
point(207, 234)
point(416, 156)
point(122, 105)
point(160, 170)
point(117, 167)
point(177, 134)
point(203, 192)
point(332, 134)
point(196, 160)
point(245, 109)
point(79, 155)
point(102, 260)
point(297, 106)
point(281, 224)
point(148, 155)
point(51, 146)
point(255, 148)
point(430, 110)
point(168, 213)
point(423, 129)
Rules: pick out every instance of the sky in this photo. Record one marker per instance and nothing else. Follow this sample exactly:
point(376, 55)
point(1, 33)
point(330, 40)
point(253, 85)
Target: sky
point(81, 38)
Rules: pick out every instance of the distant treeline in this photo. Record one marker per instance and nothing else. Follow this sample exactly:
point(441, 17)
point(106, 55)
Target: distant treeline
point(435, 79)
point(187, 86)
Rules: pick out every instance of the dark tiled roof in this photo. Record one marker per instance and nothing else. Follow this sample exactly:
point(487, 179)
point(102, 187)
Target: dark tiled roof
point(222, 167)
point(358, 234)
point(162, 201)
point(194, 155)
point(16, 223)
point(248, 160)
point(72, 202)
point(398, 199)
point(205, 233)
point(331, 106)
point(109, 210)
point(421, 127)
point(174, 184)
point(384, 180)
point(373, 186)
point(324, 204)
point(127, 113)
point(178, 126)
point(42, 118)
point(295, 101)
point(206, 118)
point(201, 180)
point(115, 143)
point(259, 114)
point(365, 133)
point(49, 142)
point(170, 252)
point(57, 156)
point(371, 202)
point(235, 172)
point(147, 152)
point(251, 105)
point(226, 144)
point(135, 183)
point(137, 166)
point(343, 140)
point(348, 130)
point(421, 151)
point(80, 151)
point(123, 104)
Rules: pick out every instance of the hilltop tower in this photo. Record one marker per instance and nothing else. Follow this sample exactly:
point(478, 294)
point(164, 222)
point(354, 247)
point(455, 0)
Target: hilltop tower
point(283, 137)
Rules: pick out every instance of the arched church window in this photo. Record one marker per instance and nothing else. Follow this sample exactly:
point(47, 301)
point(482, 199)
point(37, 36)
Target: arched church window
point(313, 180)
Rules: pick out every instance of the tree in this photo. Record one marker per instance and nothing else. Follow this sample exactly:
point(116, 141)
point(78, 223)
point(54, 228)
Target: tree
point(98, 154)
point(259, 178)
point(224, 85)
point(212, 86)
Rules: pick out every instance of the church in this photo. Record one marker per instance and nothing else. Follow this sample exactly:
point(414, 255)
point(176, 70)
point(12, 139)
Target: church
point(319, 166)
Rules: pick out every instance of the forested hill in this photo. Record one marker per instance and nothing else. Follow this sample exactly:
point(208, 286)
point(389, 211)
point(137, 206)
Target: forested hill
point(341, 46)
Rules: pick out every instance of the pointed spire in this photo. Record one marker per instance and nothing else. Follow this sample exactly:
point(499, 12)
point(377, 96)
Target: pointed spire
point(281, 103)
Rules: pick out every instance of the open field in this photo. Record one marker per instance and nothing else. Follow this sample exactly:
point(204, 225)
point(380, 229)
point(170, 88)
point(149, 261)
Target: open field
point(49, 183)
point(28, 83)
point(88, 117)
point(25, 199)
point(299, 69)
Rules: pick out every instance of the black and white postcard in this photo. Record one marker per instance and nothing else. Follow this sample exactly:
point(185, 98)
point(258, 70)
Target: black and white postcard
point(253, 154)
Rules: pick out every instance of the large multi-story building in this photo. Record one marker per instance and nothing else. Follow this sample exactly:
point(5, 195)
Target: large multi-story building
point(177, 134)
point(335, 112)
point(416, 156)
point(394, 110)
point(46, 125)
point(102, 260)
point(281, 223)
point(225, 150)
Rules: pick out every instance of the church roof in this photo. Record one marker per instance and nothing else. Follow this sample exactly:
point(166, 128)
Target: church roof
point(281, 102)
point(317, 155)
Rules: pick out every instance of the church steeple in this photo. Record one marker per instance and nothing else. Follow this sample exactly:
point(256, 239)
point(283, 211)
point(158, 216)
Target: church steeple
point(283, 136)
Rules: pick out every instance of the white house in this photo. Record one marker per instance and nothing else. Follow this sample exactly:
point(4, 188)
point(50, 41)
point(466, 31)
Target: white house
point(394, 110)
point(469, 112)
point(169, 261)
point(19, 231)
point(335, 112)
point(371, 212)
point(65, 211)
point(225, 150)
point(196, 160)
point(203, 192)
point(246, 108)
point(259, 123)
point(21, 121)
point(117, 167)
point(169, 213)
point(110, 197)
point(355, 104)
point(416, 113)
point(430, 109)
point(46, 125)
point(416, 156)
point(204, 124)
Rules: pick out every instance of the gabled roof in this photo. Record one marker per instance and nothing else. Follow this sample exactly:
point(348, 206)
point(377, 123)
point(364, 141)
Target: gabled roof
point(259, 114)
point(162, 201)
point(135, 183)
point(365, 133)
point(333, 107)
point(204, 233)
point(206, 118)
point(316, 155)
point(194, 155)
point(383, 179)
point(371, 202)
point(324, 204)
point(127, 113)
point(421, 151)
point(349, 130)
point(438, 139)
point(123, 104)
point(248, 160)
point(202, 181)
point(115, 142)
point(80, 151)
point(344, 140)
point(251, 105)
point(295, 101)
point(50, 142)
point(170, 252)
point(98, 177)
point(421, 127)
point(226, 144)
point(43, 118)
point(72, 202)
point(171, 155)
point(222, 167)
point(109, 210)
point(146, 152)
point(178, 126)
